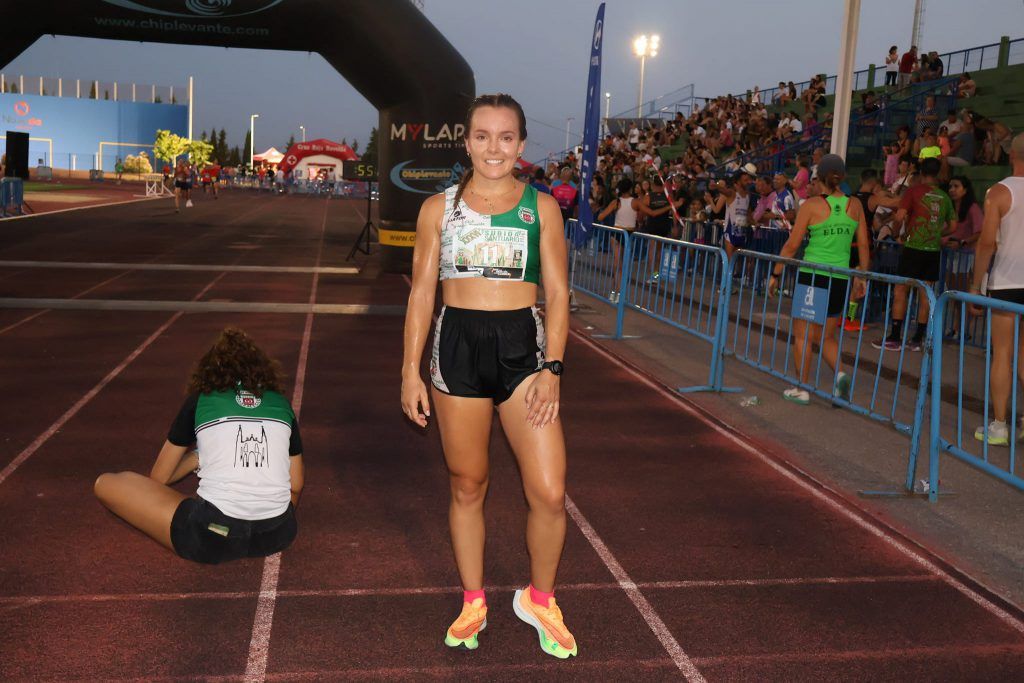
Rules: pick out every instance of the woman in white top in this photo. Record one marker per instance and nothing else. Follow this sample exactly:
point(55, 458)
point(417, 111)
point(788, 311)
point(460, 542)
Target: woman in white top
point(625, 209)
point(1003, 226)
point(892, 66)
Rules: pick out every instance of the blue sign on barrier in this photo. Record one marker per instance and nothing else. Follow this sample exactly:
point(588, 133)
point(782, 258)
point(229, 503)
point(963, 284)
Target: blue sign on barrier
point(810, 303)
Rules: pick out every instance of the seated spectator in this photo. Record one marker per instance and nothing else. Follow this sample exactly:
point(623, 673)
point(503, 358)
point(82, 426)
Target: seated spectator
point(998, 137)
point(951, 126)
point(928, 145)
point(781, 96)
point(962, 149)
point(966, 87)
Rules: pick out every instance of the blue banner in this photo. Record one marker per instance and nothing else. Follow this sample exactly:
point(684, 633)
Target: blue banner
point(591, 127)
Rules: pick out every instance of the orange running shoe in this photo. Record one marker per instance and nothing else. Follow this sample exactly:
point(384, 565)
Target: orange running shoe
point(463, 631)
point(555, 638)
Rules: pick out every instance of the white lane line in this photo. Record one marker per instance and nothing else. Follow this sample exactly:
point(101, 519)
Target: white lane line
point(25, 600)
point(259, 643)
point(668, 641)
point(76, 296)
point(956, 651)
point(79, 208)
point(200, 306)
point(89, 395)
point(857, 518)
point(100, 265)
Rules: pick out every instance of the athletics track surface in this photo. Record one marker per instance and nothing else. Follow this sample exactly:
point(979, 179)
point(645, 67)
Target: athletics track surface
point(691, 553)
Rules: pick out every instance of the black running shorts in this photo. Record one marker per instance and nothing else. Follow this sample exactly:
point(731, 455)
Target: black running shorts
point(202, 533)
point(485, 354)
point(836, 290)
point(918, 264)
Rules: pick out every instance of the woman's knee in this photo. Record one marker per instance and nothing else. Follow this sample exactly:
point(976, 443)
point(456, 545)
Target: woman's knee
point(550, 501)
point(105, 484)
point(468, 491)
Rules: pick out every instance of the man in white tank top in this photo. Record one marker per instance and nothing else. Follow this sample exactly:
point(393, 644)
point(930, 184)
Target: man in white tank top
point(1002, 233)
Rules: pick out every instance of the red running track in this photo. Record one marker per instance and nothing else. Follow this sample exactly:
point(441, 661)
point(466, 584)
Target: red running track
point(692, 553)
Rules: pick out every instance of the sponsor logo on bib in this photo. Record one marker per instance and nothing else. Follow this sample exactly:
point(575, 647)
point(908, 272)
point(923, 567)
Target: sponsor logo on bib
point(526, 215)
point(248, 400)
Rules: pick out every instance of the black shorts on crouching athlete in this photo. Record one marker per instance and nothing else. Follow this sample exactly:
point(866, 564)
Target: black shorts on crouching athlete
point(202, 533)
point(485, 354)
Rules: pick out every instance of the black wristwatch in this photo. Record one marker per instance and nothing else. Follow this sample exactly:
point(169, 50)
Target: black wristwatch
point(555, 367)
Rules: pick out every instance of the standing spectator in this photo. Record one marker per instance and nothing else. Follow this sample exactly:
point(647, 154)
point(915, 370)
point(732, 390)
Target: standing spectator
point(564, 191)
point(755, 97)
point(894, 152)
point(906, 70)
point(1003, 225)
point(928, 116)
point(634, 136)
point(802, 178)
point(892, 66)
point(960, 244)
point(928, 214)
point(118, 169)
point(539, 183)
point(831, 223)
point(657, 208)
point(624, 207)
point(784, 204)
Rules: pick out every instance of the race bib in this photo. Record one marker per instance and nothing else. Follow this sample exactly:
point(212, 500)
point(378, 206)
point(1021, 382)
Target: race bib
point(493, 253)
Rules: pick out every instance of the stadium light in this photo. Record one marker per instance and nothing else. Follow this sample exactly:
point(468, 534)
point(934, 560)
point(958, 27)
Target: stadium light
point(303, 129)
point(607, 110)
point(644, 47)
point(252, 134)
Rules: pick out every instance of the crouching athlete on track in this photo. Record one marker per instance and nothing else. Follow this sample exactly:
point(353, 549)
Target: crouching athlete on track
point(489, 239)
point(249, 463)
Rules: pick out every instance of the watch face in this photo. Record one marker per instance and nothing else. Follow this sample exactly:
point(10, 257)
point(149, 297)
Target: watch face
point(555, 367)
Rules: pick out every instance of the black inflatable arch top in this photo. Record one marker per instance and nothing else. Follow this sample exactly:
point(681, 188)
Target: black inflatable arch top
point(386, 49)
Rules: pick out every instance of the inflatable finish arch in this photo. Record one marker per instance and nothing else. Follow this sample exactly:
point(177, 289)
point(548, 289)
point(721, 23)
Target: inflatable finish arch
point(386, 49)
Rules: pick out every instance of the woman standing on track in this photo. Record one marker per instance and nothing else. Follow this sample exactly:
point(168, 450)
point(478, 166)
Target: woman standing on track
point(248, 458)
point(490, 238)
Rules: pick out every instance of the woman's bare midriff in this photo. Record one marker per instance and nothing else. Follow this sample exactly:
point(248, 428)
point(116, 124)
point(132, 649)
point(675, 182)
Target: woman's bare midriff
point(488, 295)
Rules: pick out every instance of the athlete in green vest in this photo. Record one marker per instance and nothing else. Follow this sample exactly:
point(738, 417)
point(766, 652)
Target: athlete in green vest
point(832, 222)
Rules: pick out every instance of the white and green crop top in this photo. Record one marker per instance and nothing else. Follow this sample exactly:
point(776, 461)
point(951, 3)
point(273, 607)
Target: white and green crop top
point(502, 246)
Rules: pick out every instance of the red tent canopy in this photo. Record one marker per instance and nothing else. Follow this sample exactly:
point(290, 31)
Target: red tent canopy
point(301, 150)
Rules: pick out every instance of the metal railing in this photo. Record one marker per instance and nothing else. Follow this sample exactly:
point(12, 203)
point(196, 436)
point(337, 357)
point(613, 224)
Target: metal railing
point(954, 63)
point(995, 454)
point(124, 91)
point(694, 288)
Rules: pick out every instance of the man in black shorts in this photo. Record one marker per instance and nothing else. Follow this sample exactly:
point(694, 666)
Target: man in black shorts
point(928, 212)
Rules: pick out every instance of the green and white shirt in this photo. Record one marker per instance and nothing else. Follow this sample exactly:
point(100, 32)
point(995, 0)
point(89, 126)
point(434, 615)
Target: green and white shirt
point(502, 246)
point(244, 443)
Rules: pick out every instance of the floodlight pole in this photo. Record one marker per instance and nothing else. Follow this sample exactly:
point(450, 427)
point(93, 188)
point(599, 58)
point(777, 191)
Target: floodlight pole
point(844, 79)
point(190, 99)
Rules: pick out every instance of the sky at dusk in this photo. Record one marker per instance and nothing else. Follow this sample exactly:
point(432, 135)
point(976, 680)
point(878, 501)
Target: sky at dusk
point(538, 50)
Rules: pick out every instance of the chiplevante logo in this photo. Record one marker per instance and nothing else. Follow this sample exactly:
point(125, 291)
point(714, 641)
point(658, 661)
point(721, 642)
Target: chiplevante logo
point(220, 9)
point(21, 108)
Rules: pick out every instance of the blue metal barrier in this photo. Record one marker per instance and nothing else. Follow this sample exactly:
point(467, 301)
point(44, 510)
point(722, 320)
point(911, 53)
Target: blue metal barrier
point(984, 456)
point(762, 336)
point(12, 196)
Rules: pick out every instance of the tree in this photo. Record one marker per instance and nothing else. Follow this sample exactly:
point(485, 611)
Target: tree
point(13, 88)
point(92, 90)
point(221, 152)
point(344, 141)
point(200, 151)
point(169, 146)
point(291, 141)
point(355, 146)
point(370, 153)
point(246, 146)
point(202, 136)
point(137, 164)
point(234, 157)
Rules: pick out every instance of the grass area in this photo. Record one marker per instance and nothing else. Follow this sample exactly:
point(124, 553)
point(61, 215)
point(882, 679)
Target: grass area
point(35, 186)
